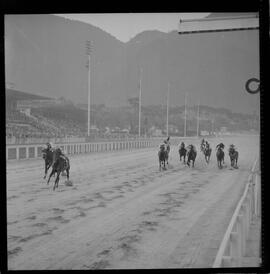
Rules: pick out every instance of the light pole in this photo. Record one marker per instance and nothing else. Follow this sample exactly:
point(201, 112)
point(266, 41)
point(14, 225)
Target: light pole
point(88, 52)
point(140, 102)
point(168, 96)
point(198, 118)
point(185, 128)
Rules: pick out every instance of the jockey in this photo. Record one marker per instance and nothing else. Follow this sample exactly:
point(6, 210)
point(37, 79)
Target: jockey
point(190, 147)
point(182, 145)
point(49, 146)
point(162, 145)
point(203, 144)
point(232, 147)
point(207, 145)
point(61, 154)
point(221, 146)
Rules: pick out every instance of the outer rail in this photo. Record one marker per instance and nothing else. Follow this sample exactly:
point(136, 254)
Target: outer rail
point(233, 246)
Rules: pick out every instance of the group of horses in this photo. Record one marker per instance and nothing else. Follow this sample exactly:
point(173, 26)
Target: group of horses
point(190, 153)
point(52, 158)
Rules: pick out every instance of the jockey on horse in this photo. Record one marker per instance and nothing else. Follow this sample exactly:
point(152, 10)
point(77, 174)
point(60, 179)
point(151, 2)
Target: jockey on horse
point(59, 154)
point(167, 144)
point(191, 154)
point(220, 145)
point(233, 153)
point(203, 144)
point(47, 155)
point(191, 147)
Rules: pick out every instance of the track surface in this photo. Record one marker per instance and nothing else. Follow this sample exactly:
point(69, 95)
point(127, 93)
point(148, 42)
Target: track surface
point(122, 212)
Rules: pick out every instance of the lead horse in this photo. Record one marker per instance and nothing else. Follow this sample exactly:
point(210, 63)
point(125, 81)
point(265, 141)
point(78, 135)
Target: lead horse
point(47, 155)
point(59, 165)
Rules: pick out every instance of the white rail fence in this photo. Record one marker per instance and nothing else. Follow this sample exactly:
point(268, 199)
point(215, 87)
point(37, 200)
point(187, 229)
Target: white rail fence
point(31, 151)
point(28, 151)
point(233, 246)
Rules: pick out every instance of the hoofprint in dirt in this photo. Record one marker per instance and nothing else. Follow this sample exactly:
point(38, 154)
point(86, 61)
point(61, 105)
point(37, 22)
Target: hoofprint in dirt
point(122, 212)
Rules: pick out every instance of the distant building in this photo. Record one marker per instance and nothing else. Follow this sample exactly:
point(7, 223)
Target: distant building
point(204, 133)
point(223, 129)
point(156, 132)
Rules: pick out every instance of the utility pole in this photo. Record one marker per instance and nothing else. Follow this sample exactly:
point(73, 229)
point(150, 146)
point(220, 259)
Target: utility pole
point(88, 52)
point(168, 96)
point(140, 102)
point(185, 128)
point(198, 118)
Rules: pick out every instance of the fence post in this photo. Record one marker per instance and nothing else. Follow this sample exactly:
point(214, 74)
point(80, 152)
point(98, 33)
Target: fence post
point(243, 233)
point(235, 248)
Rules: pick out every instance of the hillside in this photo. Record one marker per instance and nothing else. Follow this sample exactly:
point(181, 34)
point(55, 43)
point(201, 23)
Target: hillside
point(46, 55)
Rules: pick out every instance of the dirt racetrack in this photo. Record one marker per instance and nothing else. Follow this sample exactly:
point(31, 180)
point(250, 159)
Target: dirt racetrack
point(122, 212)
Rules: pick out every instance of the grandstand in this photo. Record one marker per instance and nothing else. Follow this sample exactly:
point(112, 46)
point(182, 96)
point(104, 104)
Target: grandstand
point(32, 116)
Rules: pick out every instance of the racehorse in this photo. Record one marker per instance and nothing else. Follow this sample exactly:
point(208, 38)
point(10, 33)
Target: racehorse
point(59, 165)
point(191, 155)
point(47, 155)
point(233, 157)
point(182, 152)
point(207, 153)
point(162, 156)
point(220, 157)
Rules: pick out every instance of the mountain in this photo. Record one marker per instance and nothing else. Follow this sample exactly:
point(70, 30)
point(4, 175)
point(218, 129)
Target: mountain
point(46, 55)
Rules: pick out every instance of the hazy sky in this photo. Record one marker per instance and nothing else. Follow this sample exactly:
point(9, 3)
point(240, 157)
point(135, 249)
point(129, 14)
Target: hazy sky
point(125, 26)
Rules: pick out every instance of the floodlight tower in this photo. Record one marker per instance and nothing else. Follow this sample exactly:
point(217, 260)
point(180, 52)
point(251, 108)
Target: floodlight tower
point(88, 53)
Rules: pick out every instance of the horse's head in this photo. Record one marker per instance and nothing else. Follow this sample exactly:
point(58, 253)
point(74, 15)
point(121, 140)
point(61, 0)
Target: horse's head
point(44, 152)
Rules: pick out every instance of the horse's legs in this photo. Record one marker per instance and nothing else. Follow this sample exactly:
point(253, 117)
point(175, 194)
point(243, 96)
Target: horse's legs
point(56, 180)
point(68, 173)
point(46, 170)
point(53, 171)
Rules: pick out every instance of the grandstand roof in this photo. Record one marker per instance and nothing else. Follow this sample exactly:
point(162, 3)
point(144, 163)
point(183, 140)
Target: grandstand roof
point(15, 95)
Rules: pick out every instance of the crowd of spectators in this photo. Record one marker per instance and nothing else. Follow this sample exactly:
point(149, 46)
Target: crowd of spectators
point(21, 127)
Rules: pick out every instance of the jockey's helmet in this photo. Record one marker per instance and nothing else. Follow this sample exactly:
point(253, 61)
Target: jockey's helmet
point(49, 145)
